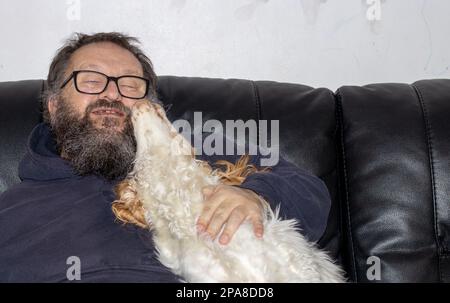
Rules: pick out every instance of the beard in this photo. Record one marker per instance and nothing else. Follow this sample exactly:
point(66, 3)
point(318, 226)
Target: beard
point(107, 151)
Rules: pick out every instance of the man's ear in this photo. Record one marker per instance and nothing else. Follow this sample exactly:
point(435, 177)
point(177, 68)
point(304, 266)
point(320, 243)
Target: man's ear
point(52, 105)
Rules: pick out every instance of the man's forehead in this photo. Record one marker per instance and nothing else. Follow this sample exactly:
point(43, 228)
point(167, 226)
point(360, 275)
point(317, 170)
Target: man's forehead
point(106, 57)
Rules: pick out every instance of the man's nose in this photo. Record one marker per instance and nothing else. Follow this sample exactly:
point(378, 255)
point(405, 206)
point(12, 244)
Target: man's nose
point(111, 92)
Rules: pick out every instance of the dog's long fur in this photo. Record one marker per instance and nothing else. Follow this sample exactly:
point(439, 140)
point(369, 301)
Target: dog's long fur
point(164, 192)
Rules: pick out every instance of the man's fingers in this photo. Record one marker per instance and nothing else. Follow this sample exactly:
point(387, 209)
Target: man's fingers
point(226, 208)
point(234, 222)
point(208, 190)
point(258, 226)
point(209, 208)
point(219, 218)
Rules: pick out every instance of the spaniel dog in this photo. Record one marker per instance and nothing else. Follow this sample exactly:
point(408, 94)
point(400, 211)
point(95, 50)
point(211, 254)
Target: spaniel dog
point(164, 194)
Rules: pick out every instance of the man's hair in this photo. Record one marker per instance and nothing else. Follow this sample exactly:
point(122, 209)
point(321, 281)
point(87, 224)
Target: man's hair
point(60, 62)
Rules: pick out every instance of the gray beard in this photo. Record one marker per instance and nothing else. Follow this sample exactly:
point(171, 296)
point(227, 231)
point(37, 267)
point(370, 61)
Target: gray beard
point(90, 150)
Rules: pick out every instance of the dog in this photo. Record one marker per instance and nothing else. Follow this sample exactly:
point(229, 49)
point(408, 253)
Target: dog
point(164, 193)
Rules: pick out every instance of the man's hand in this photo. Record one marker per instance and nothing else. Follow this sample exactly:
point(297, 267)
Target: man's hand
point(230, 205)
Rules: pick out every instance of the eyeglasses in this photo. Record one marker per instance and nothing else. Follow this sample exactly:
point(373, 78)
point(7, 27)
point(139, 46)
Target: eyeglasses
point(93, 83)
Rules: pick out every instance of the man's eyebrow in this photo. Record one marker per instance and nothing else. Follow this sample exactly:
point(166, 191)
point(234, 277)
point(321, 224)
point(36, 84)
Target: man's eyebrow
point(98, 68)
point(131, 72)
point(94, 66)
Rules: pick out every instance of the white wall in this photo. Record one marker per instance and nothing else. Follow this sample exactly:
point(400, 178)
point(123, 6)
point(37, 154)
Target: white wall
point(315, 42)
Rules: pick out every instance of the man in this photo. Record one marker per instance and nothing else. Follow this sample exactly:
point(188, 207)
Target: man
point(61, 211)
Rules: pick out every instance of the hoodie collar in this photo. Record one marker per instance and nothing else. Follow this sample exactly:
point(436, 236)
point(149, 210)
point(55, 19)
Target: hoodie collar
point(41, 161)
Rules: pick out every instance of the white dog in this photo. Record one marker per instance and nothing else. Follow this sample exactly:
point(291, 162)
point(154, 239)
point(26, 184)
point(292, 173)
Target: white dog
point(164, 192)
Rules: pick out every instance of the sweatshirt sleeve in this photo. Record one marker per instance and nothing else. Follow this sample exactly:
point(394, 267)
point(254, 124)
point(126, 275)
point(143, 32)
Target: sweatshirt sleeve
point(300, 195)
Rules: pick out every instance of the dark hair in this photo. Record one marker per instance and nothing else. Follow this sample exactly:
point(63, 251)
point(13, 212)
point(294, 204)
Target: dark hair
point(60, 62)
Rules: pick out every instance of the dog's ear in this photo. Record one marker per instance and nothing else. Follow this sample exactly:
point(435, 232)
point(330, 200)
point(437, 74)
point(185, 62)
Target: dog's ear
point(235, 174)
point(128, 208)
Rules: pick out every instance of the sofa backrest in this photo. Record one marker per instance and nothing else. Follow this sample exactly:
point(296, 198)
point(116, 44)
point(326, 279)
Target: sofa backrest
point(19, 112)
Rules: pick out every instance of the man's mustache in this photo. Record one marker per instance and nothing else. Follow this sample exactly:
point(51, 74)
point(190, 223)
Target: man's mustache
point(103, 103)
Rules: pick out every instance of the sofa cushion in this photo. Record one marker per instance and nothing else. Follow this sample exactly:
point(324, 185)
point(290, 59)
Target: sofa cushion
point(393, 148)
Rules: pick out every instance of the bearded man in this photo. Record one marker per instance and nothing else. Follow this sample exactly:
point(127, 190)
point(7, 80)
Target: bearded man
point(61, 211)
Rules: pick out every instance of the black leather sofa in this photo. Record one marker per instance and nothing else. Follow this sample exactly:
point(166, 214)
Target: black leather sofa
point(383, 150)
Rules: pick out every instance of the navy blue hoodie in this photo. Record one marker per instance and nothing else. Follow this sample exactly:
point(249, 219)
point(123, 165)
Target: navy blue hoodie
point(54, 214)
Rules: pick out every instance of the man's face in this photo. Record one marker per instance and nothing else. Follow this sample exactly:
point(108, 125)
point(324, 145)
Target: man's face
point(109, 59)
point(94, 132)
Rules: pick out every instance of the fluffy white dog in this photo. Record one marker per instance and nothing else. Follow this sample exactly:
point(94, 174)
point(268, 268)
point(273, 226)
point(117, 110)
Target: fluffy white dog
point(164, 192)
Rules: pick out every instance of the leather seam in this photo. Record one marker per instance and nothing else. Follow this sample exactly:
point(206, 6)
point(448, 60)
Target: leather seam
point(428, 132)
point(340, 117)
point(257, 100)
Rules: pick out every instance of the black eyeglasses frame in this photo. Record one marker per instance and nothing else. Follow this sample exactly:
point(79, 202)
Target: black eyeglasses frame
point(74, 74)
